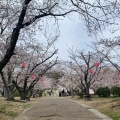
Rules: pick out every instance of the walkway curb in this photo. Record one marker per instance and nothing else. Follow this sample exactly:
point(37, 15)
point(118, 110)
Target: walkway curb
point(19, 116)
point(97, 113)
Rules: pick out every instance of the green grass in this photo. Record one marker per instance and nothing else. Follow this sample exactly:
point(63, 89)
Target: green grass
point(12, 114)
point(4, 107)
point(109, 111)
point(109, 106)
point(25, 105)
point(114, 116)
point(7, 109)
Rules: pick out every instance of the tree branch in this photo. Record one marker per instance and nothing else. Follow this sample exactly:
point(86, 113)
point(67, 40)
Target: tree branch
point(14, 37)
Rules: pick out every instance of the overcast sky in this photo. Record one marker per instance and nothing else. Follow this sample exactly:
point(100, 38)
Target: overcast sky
point(74, 33)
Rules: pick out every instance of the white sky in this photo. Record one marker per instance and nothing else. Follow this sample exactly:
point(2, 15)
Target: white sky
point(74, 33)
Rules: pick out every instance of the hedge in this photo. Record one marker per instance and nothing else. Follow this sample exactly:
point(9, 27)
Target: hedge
point(115, 91)
point(103, 92)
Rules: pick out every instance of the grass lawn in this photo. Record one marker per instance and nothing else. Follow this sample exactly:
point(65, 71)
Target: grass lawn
point(10, 109)
point(108, 106)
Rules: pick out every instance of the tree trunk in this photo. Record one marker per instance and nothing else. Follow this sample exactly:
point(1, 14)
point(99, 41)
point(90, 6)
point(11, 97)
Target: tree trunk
point(9, 93)
point(23, 92)
point(14, 37)
point(87, 95)
point(24, 96)
point(7, 89)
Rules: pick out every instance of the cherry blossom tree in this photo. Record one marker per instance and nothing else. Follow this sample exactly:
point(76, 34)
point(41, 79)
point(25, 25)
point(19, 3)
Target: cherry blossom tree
point(107, 78)
point(18, 16)
point(70, 79)
point(37, 65)
point(30, 62)
point(87, 67)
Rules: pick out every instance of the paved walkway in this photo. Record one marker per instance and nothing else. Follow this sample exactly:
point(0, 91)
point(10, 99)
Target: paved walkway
point(58, 108)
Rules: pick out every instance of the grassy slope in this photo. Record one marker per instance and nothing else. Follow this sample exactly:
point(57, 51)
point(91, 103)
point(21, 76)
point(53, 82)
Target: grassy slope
point(11, 109)
point(108, 106)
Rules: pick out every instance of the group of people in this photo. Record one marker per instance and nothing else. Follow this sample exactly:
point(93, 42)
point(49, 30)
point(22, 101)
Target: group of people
point(63, 93)
point(50, 93)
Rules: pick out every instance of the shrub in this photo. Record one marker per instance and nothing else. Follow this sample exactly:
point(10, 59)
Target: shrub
point(103, 92)
point(115, 91)
point(16, 93)
point(44, 94)
point(80, 94)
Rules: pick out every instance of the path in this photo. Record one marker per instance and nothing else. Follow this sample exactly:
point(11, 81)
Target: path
point(58, 108)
